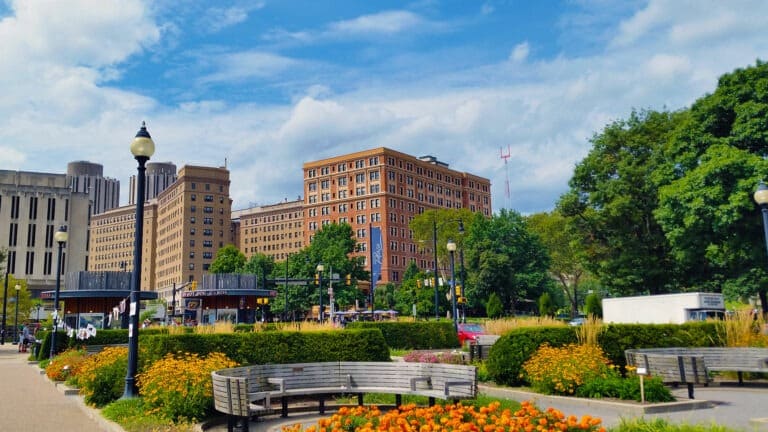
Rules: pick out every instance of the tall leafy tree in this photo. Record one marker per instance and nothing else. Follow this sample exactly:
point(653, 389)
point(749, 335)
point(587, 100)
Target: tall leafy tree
point(228, 259)
point(332, 246)
point(562, 245)
point(716, 160)
point(611, 202)
point(262, 265)
point(504, 257)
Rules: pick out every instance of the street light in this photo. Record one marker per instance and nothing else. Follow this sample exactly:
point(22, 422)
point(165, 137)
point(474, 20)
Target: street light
point(434, 245)
point(142, 148)
point(320, 268)
point(451, 246)
point(16, 318)
point(61, 236)
point(5, 297)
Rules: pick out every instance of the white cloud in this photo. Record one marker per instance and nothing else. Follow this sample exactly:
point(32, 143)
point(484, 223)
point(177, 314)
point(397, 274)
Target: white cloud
point(388, 22)
point(248, 64)
point(520, 52)
point(666, 66)
point(220, 18)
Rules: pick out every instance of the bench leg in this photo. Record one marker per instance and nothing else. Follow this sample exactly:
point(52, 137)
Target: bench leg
point(690, 391)
point(360, 399)
point(741, 378)
point(284, 406)
point(398, 400)
point(322, 405)
point(231, 420)
point(431, 401)
point(244, 421)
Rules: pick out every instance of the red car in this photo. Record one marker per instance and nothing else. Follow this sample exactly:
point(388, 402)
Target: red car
point(469, 332)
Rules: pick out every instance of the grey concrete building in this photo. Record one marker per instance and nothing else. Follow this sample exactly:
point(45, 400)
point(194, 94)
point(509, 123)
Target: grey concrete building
point(32, 208)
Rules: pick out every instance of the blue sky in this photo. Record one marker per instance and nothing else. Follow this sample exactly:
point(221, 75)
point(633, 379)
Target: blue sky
point(267, 85)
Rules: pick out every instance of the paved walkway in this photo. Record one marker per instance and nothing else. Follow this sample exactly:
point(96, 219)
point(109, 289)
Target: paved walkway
point(29, 402)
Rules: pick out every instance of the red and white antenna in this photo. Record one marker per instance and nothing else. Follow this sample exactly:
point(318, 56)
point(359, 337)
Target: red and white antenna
point(506, 167)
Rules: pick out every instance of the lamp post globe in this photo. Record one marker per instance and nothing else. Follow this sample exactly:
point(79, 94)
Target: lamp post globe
point(451, 246)
point(61, 236)
point(16, 317)
point(142, 148)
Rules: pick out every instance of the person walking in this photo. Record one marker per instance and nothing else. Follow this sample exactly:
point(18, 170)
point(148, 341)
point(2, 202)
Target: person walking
point(24, 338)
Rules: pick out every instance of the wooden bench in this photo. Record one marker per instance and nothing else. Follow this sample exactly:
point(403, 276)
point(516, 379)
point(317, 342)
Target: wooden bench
point(231, 396)
point(723, 359)
point(481, 346)
point(433, 380)
point(671, 368)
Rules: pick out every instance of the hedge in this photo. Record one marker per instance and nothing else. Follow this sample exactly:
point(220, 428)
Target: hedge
point(413, 335)
point(508, 354)
point(273, 347)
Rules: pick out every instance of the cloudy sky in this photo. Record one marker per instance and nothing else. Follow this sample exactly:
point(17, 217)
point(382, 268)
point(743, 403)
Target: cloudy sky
point(267, 85)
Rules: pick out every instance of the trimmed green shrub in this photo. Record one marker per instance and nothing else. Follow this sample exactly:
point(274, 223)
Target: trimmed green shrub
point(413, 335)
point(62, 342)
point(507, 355)
point(619, 337)
point(614, 386)
point(273, 347)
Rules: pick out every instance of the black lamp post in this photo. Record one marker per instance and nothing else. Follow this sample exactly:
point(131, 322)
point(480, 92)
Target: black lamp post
point(761, 198)
point(5, 303)
point(16, 317)
point(142, 149)
point(320, 268)
point(434, 245)
point(461, 274)
point(451, 246)
point(285, 290)
point(61, 236)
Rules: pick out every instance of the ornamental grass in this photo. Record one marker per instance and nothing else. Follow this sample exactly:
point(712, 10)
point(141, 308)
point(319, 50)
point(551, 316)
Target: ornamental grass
point(743, 329)
point(448, 418)
point(504, 325)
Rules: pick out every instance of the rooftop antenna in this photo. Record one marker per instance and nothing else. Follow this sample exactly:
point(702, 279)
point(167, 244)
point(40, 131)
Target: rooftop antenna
point(506, 168)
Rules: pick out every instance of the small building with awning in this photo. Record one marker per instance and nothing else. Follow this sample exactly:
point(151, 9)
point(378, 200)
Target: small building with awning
point(234, 298)
point(97, 298)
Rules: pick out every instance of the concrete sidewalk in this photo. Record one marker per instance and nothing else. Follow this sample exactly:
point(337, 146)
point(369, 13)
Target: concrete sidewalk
point(30, 402)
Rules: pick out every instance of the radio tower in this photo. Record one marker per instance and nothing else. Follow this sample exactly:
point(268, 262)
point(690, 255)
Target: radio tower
point(506, 168)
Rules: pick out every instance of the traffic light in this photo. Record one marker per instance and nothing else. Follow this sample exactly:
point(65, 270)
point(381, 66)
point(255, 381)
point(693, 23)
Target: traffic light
point(262, 301)
point(418, 283)
point(193, 287)
point(458, 290)
point(349, 280)
point(317, 278)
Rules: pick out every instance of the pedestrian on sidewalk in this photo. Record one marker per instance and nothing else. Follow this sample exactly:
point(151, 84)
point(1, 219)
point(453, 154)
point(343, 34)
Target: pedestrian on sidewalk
point(24, 338)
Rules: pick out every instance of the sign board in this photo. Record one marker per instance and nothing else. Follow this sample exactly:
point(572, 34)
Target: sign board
point(642, 371)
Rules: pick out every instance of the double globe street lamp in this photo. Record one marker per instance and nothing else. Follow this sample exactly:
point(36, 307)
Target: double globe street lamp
point(142, 148)
point(16, 317)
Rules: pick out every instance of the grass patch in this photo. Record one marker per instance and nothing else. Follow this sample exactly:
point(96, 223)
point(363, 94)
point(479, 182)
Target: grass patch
point(397, 352)
point(661, 425)
point(131, 415)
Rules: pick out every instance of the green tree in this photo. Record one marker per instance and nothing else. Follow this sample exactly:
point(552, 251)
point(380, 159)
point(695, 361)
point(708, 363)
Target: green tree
point(333, 246)
point(546, 306)
point(504, 257)
point(611, 202)
point(493, 307)
point(228, 259)
point(593, 306)
point(262, 265)
point(563, 247)
point(715, 162)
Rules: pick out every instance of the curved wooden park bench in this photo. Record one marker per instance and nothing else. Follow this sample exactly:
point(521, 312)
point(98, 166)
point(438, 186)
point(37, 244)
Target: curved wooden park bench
point(248, 390)
point(692, 365)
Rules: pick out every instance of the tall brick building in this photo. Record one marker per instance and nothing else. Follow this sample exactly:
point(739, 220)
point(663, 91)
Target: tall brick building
point(385, 188)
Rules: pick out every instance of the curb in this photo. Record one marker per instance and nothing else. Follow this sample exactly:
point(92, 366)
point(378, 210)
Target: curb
point(634, 409)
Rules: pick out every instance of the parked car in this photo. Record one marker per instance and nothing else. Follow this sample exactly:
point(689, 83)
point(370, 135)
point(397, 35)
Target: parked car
point(469, 332)
point(577, 321)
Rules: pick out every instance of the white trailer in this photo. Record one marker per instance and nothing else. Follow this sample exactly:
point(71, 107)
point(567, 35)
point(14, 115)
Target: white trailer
point(663, 308)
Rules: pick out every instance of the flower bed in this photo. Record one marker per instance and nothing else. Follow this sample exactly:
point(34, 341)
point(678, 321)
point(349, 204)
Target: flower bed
point(458, 417)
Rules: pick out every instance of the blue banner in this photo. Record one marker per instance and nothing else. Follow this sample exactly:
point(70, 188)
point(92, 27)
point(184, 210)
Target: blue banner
point(377, 254)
